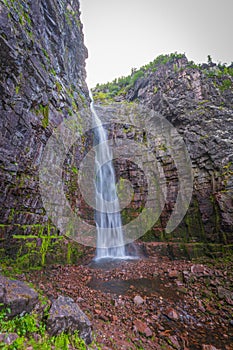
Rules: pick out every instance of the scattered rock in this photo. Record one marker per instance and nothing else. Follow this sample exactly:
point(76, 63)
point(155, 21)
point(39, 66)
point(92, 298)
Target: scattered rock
point(8, 338)
point(97, 311)
point(173, 273)
point(142, 327)
point(138, 300)
point(225, 294)
point(172, 314)
point(174, 341)
point(197, 269)
point(17, 296)
point(114, 318)
point(66, 316)
point(209, 347)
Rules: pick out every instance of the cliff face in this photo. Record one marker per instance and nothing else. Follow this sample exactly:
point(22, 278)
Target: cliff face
point(42, 82)
point(197, 100)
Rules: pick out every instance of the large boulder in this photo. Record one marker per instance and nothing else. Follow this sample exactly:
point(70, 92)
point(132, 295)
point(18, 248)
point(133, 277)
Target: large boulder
point(17, 296)
point(66, 316)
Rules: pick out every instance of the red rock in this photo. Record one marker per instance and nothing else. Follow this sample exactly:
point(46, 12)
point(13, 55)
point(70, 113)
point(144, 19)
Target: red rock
point(173, 339)
point(173, 273)
point(172, 314)
point(97, 311)
point(142, 327)
point(114, 318)
point(198, 269)
point(209, 347)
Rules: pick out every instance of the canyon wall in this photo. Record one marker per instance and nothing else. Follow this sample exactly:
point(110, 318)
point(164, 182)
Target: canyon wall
point(197, 101)
point(42, 83)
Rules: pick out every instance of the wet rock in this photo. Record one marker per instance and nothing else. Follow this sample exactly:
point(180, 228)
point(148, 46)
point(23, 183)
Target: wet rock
point(66, 316)
point(8, 338)
point(138, 300)
point(17, 296)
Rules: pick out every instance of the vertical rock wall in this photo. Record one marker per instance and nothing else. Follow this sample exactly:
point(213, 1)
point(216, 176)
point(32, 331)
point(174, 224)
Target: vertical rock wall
point(197, 101)
point(42, 82)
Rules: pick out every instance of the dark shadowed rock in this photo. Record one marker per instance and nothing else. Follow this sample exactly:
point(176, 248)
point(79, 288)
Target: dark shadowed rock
point(42, 81)
point(66, 316)
point(17, 296)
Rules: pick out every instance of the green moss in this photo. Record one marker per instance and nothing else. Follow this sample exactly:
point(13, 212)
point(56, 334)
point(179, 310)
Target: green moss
point(58, 86)
point(70, 112)
point(45, 52)
point(31, 331)
point(53, 72)
point(27, 18)
point(45, 112)
point(74, 170)
point(68, 18)
point(34, 252)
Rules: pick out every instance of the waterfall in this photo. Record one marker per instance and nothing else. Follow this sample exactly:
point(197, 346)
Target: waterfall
point(110, 236)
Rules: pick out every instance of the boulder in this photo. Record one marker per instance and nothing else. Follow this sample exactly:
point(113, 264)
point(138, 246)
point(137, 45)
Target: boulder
point(17, 296)
point(138, 300)
point(8, 338)
point(66, 316)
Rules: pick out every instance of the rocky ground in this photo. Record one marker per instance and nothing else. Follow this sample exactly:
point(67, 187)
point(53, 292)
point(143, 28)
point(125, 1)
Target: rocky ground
point(150, 303)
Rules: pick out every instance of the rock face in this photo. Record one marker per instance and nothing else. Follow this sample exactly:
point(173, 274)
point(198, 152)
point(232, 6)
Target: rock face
point(66, 316)
point(17, 296)
point(197, 101)
point(42, 82)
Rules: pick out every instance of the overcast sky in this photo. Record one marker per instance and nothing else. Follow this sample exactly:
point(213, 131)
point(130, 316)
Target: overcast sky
point(123, 34)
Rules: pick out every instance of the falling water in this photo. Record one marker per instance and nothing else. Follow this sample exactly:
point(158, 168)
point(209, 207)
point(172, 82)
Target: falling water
point(110, 237)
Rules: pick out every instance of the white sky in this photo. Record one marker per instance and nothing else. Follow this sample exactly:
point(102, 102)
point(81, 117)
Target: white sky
point(122, 34)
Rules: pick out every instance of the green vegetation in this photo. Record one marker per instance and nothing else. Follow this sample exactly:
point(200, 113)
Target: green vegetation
point(45, 120)
point(41, 247)
point(58, 86)
point(18, 8)
point(74, 170)
point(46, 54)
point(121, 85)
point(226, 84)
point(31, 331)
point(44, 111)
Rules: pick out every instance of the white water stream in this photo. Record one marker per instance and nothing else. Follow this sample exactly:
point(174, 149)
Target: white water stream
point(110, 236)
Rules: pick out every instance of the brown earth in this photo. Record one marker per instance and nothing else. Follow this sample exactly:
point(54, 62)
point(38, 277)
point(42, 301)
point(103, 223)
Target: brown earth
point(150, 303)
